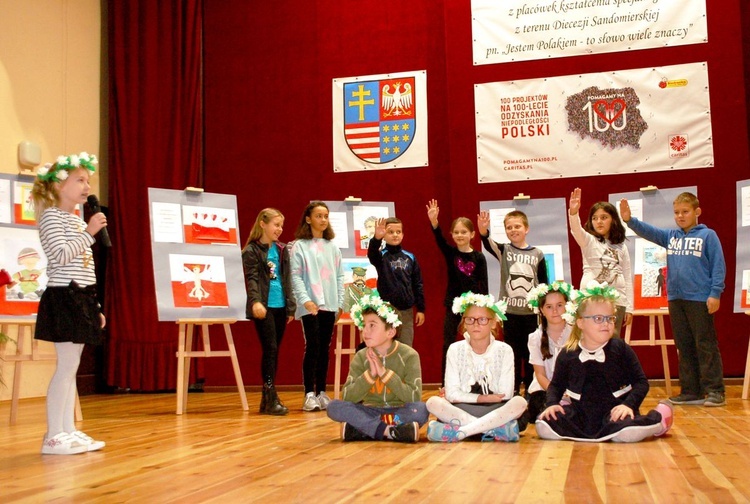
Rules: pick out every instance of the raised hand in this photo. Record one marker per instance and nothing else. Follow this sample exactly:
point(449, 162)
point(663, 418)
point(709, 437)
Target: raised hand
point(379, 228)
point(575, 201)
point(624, 210)
point(432, 212)
point(483, 222)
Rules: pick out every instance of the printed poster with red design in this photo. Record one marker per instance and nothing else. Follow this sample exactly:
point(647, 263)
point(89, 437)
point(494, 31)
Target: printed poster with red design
point(647, 119)
point(742, 270)
point(196, 255)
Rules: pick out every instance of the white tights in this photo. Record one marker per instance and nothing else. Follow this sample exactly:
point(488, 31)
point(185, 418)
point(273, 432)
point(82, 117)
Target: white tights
point(470, 425)
point(61, 394)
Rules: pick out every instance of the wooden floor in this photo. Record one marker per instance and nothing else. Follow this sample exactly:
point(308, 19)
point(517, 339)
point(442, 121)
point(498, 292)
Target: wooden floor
point(218, 453)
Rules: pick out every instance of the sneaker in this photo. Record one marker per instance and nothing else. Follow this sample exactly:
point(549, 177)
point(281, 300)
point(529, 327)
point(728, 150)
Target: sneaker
point(349, 433)
point(86, 440)
point(323, 400)
point(687, 400)
point(507, 432)
point(405, 432)
point(715, 399)
point(311, 402)
point(667, 416)
point(445, 432)
point(63, 444)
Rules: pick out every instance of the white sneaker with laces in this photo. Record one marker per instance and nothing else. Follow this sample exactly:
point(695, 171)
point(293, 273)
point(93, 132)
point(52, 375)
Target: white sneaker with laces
point(62, 444)
point(86, 440)
point(311, 402)
point(323, 400)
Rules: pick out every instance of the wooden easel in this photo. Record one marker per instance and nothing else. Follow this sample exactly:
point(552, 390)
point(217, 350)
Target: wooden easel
point(24, 326)
point(185, 352)
point(340, 351)
point(654, 315)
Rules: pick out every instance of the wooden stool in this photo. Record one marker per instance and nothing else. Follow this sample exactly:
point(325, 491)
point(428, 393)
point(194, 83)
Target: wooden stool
point(185, 352)
point(24, 326)
point(340, 351)
point(746, 381)
point(653, 315)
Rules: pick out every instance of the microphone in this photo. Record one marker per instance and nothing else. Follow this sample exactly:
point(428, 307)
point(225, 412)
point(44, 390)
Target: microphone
point(93, 202)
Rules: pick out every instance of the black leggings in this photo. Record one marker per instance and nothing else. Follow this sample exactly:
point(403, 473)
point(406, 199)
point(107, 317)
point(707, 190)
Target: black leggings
point(318, 331)
point(270, 331)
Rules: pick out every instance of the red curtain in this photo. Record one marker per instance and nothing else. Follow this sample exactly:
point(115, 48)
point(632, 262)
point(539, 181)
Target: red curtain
point(155, 140)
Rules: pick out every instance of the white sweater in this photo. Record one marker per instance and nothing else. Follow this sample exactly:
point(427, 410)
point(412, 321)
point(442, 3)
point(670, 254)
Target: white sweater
point(464, 368)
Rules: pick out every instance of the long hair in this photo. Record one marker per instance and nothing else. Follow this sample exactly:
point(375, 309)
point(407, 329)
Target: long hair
point(44, 194)
point(265, 216)
point(546, 354)
point(575, 335)
point(304, 231)
point(463, 220)
point(616, 230)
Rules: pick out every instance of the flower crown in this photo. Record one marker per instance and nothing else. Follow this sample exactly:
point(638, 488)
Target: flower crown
point(467, 299)
point(535, 295)
point(594, 288)
point(373, 300)
point(58, 172)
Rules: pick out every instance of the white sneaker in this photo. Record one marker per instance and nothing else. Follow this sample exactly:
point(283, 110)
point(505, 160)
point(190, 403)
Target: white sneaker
point(323, 400)
point(62, 444)
point(311, 402)
point(86, 440)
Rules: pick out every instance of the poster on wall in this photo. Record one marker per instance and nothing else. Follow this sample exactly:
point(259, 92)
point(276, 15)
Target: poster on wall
point(380, 121)
point(742, 270)
point(648, 260)
point(354, 224)
point(519, 30)
point(196, 255)
point(546, 231)
point(647, 119)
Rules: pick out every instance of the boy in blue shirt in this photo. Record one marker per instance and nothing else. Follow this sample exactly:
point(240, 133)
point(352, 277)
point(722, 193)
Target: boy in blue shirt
point(399, 276)
point(695, 281)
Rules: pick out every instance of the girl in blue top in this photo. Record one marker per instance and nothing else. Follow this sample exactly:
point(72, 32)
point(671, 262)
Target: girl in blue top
point(270, 304)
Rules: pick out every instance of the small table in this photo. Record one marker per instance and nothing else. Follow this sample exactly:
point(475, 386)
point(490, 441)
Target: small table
point(24, 326)
point(340, 350)
point(185, 352)
point(654, 315)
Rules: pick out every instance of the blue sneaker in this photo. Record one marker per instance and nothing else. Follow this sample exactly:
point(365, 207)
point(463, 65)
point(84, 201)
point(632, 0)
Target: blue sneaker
point(507, 432)
point(445, 432)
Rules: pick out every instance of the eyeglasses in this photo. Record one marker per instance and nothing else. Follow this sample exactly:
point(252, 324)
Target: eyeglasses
point(600, 319)
point(478, 320)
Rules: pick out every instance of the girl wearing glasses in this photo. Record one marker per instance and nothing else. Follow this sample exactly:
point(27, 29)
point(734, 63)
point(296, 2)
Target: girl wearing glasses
point(478, 378)
point(599, 384)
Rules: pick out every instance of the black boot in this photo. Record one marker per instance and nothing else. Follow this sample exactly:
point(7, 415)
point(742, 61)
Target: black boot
point(271, 404)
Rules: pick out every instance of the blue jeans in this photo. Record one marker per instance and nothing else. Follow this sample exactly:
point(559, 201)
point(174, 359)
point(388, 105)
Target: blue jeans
point(367, 419)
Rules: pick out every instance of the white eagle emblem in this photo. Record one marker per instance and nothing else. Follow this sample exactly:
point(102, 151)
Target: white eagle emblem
point(397, 103)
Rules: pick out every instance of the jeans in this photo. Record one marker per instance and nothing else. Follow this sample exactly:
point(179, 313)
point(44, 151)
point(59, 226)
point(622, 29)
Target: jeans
point(270, 331)
point(700, 365)
point(318, 331)
point(367, 419)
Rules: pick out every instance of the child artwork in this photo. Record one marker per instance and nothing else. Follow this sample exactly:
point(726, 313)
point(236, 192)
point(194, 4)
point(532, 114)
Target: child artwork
point(745, 298)
point(22, 257)
point(650, 275)
point(360, 278)
point(553, 259)
point(23, 207)
point(206, 225)
point(364, 218)
point(198, 281)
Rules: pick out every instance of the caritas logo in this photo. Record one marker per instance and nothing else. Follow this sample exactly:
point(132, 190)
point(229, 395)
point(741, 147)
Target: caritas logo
point(678, 146)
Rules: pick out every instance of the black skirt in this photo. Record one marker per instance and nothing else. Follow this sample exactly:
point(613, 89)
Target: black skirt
point(69, 314)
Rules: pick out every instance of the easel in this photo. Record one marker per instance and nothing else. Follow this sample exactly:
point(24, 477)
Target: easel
point(185, 352)
point(24, 326)
point(653, 315)
point(340, 351)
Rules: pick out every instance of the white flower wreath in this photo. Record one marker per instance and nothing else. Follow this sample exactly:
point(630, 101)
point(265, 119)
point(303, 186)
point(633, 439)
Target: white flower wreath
point(533, 298)
point(59, 171)
point(467, 299)
point(384, 310)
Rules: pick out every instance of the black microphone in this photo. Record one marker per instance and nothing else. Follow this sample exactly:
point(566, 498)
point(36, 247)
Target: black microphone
point(93, 202)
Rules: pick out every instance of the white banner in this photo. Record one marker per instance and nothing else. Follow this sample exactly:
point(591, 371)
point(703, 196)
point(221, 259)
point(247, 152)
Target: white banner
point(648, 119)
point(380, 121)
point(520, 30)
